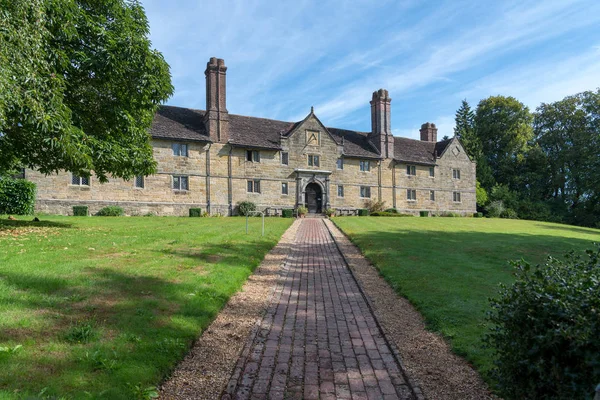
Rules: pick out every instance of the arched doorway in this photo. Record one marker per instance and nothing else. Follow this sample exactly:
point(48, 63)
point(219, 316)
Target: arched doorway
point(313, 198)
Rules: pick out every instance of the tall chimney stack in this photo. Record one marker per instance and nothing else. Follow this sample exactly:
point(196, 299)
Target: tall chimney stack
point(428, 132)
point(381, 125)
point(217, 116)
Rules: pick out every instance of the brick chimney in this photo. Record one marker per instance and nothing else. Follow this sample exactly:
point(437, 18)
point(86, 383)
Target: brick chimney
point(217, 116)
point(428, 132)
point(381, 125)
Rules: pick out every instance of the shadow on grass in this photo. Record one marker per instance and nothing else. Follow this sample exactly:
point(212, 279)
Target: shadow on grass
point(569, 228)
point(9, 224)
point(144, 325)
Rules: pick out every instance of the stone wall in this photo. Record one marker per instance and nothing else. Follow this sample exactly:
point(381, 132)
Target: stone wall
point(57, 195)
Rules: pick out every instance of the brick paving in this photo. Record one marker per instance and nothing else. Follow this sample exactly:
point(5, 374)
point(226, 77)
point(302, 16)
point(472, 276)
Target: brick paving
point(318, 338)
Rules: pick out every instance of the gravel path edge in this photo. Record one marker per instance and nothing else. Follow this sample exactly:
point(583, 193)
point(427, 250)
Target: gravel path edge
point(205, 371)
point(425, 356)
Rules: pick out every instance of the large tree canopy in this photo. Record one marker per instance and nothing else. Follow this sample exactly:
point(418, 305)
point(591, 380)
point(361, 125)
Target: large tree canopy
point(503, 127)
point(79, 86)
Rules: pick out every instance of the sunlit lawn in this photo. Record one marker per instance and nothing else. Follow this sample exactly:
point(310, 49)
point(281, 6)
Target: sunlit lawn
point(449, 267)
point(104, 307)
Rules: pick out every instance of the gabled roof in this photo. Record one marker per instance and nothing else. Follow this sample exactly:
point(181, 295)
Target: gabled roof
point(418, 151)
point(179, 123)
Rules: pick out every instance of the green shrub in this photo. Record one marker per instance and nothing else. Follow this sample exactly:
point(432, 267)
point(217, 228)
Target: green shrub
point(287, 213)
point(111, 211)
point(245, 207)
point(302, 210)
point(374, 206)
point(195, 212)
point(363, 212)
point(388, 214)
point(330, 211)
point(449, 214)
point(424, 213)
point(495, 209)
point(546, 333)
point(509, 213)
point(478, 215)
point(392, 210)
point(17, 196)
point(80, 211)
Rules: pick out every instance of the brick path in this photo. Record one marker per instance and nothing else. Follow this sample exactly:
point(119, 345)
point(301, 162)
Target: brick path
point(318, 339)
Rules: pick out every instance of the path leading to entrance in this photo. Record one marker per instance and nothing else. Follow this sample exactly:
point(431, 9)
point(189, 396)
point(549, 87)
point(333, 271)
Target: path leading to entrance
point(318, 338)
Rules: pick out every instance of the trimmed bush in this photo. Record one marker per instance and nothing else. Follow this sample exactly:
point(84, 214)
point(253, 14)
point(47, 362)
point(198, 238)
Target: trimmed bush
point(546, 329)
point(17, 196)
point(423, 213)
point(449, 214)
point(388, 214)
point(110, 211)
point(287, 213)
point(478, 215)
point(245, 207)
point(392, 210)
point(195, 212)
point(80, 211)
point(363, 212)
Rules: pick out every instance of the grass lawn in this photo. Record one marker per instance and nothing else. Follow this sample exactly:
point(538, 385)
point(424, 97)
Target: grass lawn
point(105, 307)
point(449, 267)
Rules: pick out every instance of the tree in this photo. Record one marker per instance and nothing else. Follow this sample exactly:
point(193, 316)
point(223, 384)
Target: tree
point(79, 86)
point(465, 129)
point(568, 134)
point(503, 126)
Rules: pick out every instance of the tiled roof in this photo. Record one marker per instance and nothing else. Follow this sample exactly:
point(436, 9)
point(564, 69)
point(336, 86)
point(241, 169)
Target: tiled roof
point(256, 132)
point(356, 143)
point(417, 151)
point(188, 124)
point(179, 123)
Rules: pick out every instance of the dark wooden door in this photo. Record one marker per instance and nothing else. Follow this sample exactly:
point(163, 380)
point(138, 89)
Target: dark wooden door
point(313, 198)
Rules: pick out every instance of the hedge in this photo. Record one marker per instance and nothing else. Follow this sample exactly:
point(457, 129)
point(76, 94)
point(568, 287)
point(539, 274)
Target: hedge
point(110, 211)
point(546, 329)
point(80, 211)
point(287, 213)
point(195, 212)
point(17, 196)
point(424, 213)
point(363, 212)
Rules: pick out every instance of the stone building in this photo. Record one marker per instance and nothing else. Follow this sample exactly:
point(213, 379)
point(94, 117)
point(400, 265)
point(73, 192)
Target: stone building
point(213, 160)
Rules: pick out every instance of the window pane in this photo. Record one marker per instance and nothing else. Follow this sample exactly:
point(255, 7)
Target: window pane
point(431, 171)
point(176, 149)
point(176, 183)
point(316, 161)
point(250, 186)
point(257, 186)
point(284, 188)
point(340, 163)
point(184, 150)
point(139, 181)
point(255, 156)
point(432, 195)
point(75, 180)
point(248, 155)
point(340, 191)
point(184, 183)
point(284, 158)
point(85, 180)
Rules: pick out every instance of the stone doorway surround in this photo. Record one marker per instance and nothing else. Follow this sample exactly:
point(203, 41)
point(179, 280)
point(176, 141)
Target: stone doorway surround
point(314, 198)
point(304, 177)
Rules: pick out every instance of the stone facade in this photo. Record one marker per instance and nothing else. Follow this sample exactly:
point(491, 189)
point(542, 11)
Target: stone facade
point(226, 152)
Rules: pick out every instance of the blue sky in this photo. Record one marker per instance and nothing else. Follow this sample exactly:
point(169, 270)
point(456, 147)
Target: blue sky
point(285, 56)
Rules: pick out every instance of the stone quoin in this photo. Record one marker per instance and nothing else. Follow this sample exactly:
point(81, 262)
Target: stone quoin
point(213, 160)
